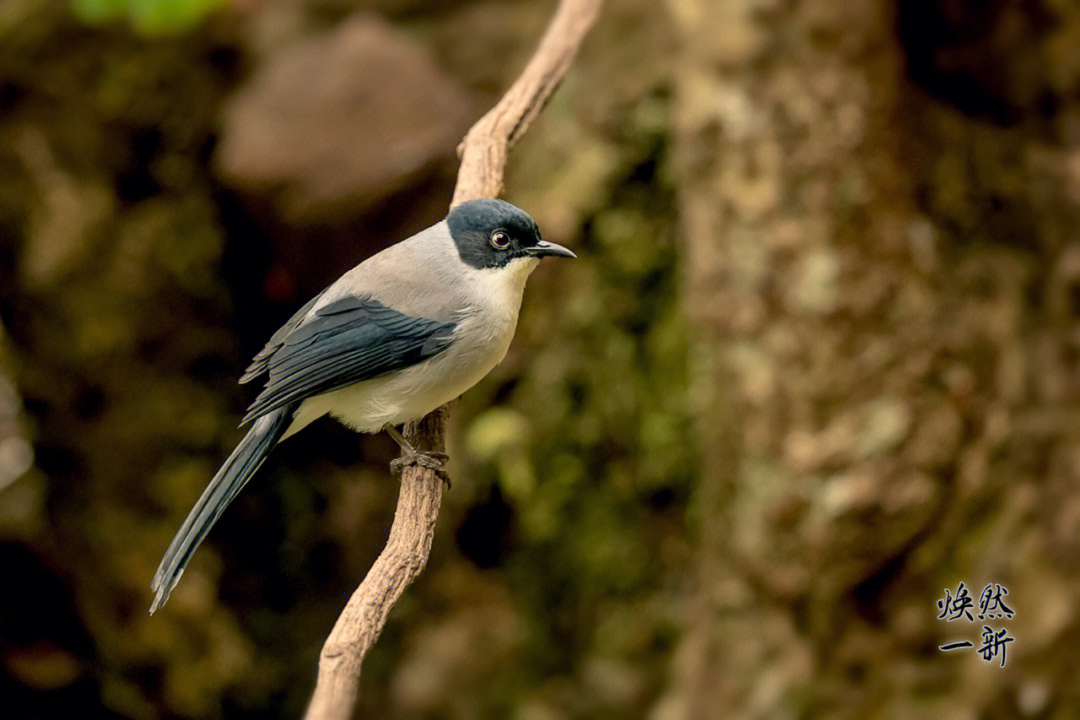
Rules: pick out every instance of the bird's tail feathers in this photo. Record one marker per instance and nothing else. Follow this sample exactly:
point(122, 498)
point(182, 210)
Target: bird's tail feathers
point(229, 480)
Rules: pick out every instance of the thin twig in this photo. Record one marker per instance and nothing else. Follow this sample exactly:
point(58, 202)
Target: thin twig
point(483, 160)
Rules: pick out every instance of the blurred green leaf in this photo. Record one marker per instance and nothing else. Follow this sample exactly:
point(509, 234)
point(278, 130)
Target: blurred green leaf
point(152, 17)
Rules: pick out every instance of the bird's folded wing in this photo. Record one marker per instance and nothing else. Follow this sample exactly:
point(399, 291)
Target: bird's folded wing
point(343, 342)
point(260, 363)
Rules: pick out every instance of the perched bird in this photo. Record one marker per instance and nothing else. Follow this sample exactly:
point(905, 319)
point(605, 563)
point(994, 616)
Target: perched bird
point(402, 333)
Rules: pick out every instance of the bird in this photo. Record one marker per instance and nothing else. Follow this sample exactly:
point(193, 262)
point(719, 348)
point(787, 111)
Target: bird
point(404, 332)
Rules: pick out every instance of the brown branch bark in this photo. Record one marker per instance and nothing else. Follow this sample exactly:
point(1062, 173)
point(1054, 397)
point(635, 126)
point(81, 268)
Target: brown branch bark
point(483, 160)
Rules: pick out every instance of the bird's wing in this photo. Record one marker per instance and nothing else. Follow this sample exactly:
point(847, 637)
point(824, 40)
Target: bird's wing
point(343, 342)
point(260, 363)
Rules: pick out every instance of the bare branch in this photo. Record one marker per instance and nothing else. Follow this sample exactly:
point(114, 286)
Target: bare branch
point(483, 151)
point(483, 160)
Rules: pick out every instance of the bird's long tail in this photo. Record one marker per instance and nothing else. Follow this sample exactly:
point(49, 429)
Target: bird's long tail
point(230, 479)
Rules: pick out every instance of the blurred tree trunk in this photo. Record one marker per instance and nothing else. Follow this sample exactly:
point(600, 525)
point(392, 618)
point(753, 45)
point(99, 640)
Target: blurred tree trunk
point(881, 252)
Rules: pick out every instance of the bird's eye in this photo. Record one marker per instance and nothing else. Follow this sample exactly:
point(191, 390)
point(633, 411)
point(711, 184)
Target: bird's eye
point(500, 240)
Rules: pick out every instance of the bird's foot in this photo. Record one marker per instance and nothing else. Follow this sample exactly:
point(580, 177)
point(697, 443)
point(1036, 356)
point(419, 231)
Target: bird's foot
point(434, 461)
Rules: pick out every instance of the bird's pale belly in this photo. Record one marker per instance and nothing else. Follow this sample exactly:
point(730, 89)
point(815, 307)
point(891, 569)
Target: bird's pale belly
point(405, 396)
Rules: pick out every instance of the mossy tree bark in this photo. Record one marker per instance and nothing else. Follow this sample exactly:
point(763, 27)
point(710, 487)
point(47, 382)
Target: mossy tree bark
point(882, 271)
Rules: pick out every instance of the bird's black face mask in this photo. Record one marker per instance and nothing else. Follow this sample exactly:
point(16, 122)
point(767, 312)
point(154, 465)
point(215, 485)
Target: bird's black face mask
point(492, 233)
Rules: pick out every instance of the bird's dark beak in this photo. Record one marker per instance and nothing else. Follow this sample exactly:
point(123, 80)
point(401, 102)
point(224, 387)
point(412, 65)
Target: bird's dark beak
point(545, 248)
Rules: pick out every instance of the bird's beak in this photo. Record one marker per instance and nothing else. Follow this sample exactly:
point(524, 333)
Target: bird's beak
point(545, 248)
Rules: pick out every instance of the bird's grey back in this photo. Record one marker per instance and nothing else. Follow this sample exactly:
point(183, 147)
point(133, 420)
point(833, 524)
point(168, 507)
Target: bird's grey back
point(415, 277)
point(422, 276)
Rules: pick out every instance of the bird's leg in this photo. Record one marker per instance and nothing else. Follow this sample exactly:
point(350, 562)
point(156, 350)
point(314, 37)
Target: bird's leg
point(434, 461)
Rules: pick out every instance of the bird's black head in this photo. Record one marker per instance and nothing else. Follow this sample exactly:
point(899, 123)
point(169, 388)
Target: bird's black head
point(491, 233)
